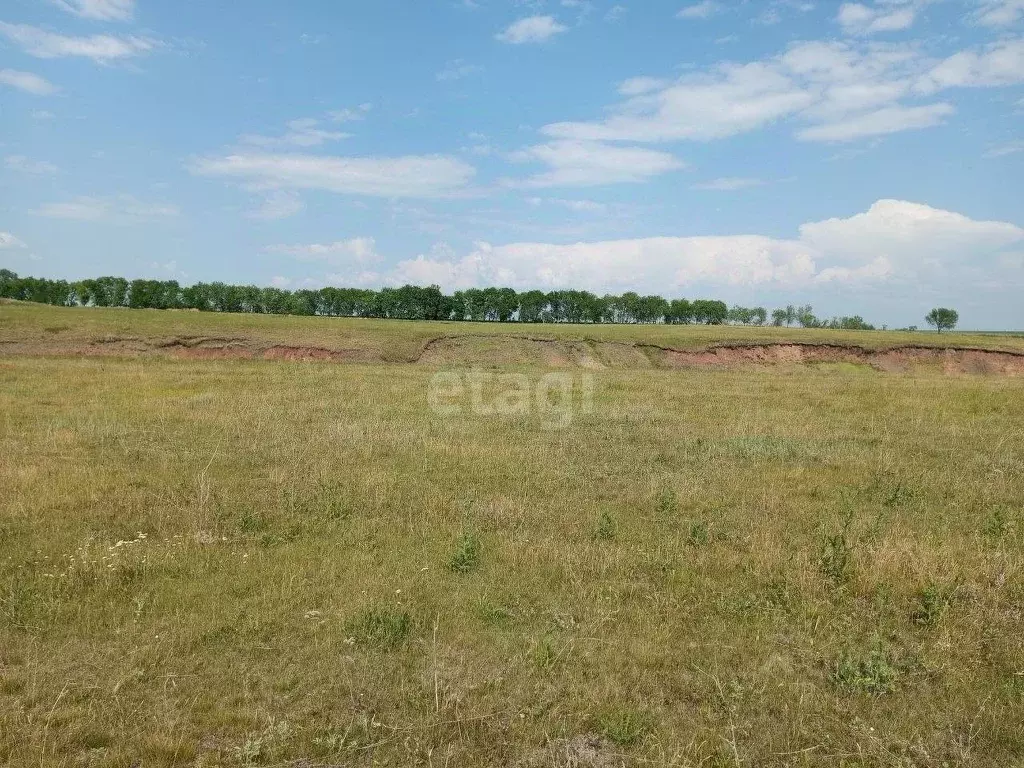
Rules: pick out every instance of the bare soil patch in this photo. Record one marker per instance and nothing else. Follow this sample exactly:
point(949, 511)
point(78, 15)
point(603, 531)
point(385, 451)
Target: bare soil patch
point(503, 350)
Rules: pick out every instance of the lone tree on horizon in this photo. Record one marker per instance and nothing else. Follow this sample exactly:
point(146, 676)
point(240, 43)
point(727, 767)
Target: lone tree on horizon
point(942, 319)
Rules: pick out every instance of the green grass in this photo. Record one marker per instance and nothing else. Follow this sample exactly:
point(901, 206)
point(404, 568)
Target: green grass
point(229, 563)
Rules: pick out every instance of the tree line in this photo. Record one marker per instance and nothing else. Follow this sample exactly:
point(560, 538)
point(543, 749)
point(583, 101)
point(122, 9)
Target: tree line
point(409, 302)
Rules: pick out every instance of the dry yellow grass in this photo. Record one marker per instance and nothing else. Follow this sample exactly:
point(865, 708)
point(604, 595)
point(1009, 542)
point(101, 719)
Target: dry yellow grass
point(806, 566)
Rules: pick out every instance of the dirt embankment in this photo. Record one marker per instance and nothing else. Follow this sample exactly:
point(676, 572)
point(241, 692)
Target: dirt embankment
point(893, 360)
point(503, 350)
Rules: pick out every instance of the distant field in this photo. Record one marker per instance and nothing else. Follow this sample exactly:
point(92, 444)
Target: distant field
point(240, 562)
point(403, 341)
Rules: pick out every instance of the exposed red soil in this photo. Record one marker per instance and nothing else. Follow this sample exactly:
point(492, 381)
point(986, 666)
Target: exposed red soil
point(518, 350)
point(893, 360)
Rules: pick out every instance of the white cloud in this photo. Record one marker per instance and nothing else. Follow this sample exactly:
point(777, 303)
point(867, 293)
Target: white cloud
point(878, 269)
point(304, 132)
point(577, 206)
point(1003, 150)
point(913, 238)
point(702, 10)
point(1000, 63)
point(866, 86)
point(121, 209)
point(7, 240)
point(999, 13)
point(729, 100)
point(729, 184)
point(101, 10)
point(358, 251)
point(27, 82)
point(893, 240)
point(878, 123)
point(409, 176)
point(615, 13)
point(23, 164)
point(348, 114)
point(590, 163)
point(456, 70)
point(859, 19)
point(637, 86)
point(100, 48)
point(533, 29)
point(278, 204)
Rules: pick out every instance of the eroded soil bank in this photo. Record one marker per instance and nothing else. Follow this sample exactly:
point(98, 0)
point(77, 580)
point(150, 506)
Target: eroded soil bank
point(525, 350)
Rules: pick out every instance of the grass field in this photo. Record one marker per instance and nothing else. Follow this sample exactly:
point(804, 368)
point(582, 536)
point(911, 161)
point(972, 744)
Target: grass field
point(402, 341)
point(241, 562)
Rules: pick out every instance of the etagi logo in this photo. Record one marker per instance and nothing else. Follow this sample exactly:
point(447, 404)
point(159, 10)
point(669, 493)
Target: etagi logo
point(555, 398)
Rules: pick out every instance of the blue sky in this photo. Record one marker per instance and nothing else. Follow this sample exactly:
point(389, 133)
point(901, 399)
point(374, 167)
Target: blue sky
point(862, 157)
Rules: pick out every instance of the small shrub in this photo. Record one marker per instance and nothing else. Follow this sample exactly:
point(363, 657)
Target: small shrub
point(836, 560)
point(873, 673)
point(467, 553)
point(668, 503)
point(606, 528)
point(899, 495)
point(699, 534)
point(997, 524)
point(544, 653)
point(252, 522)
point(384, 628)
point(933, 601)
point(625, 727)
point(258, 747)
point(493, 613)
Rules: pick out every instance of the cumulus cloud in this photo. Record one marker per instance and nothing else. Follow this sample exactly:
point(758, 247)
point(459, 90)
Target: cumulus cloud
point(102, 49)
point(591, 163)
point(100, 10)
point(7, 240)
point(121, 209)
point(533, 29)
point(408, 176)
point(892, 240)
point(839, 90)
point(909, 234)
point(27, 82)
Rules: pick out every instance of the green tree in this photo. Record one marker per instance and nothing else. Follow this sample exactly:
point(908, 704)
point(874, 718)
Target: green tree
point(942, 319)
point(709, 312)
point(680, 312)
point(805, 316)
